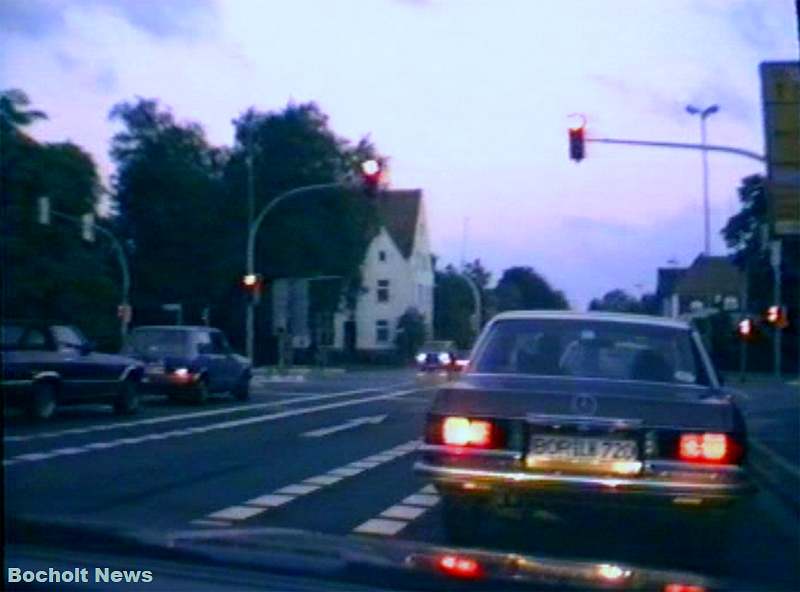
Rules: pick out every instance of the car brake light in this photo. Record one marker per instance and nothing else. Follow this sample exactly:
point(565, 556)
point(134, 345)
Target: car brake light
point(460, 567)
point(460, 431)
point(706, 447)
point(684, 588)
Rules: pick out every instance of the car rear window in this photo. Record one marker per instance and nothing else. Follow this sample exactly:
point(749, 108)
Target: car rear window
point(158, 342)
point(611, 350)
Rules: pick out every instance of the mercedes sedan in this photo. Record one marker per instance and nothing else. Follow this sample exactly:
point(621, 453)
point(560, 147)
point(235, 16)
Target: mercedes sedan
point(584, 414)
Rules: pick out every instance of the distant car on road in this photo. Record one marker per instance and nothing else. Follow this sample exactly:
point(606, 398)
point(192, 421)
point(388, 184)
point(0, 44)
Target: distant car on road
point(436, 356)
point(48, 365)
point(189, 362)
point(575, 414)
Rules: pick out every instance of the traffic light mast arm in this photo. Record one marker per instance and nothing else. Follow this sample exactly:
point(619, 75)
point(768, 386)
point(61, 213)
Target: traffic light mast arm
point(685, 146)
point(115, 245)
point(253, 231)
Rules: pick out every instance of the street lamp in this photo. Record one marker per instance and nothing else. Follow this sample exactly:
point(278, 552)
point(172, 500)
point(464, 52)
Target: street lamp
point(704, 114)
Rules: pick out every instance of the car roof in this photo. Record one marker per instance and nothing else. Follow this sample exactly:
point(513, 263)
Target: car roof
point(609, 317)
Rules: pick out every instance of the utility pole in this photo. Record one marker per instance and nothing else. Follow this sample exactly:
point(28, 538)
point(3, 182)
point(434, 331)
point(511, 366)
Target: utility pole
point(250, 319)
point(775, 261)
point(704, 114)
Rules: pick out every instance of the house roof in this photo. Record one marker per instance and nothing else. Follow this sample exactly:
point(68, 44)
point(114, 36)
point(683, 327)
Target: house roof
point(667, 278)
point(709, 276)
point(398, 210)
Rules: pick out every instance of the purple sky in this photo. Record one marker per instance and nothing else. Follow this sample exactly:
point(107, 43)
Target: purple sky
point(468, 98)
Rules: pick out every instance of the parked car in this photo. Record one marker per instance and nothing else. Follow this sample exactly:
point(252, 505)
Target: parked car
point(577, 414)
point(45, 366)
point(187, 362)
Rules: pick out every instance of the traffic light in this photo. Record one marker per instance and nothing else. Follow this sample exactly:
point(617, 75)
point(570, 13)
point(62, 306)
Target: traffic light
point(746, 329)
point(252, 285)
point(371, 175)
point(776, 316)
point(577, 143)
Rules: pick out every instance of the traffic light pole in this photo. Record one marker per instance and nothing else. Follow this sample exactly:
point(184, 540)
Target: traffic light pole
point(684, 146)
point(122, 259)
point(251, 246)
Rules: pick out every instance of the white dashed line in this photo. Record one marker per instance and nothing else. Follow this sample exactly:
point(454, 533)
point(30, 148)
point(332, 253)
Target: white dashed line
point(270, 500)
point(427, 500)
point(381, 526)
point(403, 512)
point(66, 451)
point(225, 425)
point(286, 494)
point(236, 513)
point(395, 518)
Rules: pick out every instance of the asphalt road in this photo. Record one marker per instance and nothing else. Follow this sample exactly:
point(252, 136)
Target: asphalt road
point(330, 454)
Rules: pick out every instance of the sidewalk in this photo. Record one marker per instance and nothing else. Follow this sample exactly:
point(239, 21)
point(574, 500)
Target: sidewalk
point(772, 414)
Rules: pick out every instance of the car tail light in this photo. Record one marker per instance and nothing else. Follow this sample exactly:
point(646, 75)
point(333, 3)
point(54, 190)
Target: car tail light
point(460, 566)
point(461, 431)
point(708, 447)
point(684, 588)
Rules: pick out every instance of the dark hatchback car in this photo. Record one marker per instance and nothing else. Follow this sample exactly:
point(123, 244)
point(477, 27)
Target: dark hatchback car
point(188, 362)
point(574, 414)
point(45, 366)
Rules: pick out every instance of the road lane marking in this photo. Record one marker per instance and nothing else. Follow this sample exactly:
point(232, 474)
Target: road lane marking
point(395, 518)
point(427, 500)
point(403, 512)
point(300, 489)
point(429, 489)
point(235, 513)
point(381, 526)
point(347, 425)
point(288, 493)
point(272, 500)
point(309, 397)
point(225, 425)
point(782, 463)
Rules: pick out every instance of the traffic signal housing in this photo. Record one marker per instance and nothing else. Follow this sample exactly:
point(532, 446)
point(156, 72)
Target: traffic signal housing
point(252, 286)
point(577, 143)
point(776, 316)
point(746, 329)
point(372, 172)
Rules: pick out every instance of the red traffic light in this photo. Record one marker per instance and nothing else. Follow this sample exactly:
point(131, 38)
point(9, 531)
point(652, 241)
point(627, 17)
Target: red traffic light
point(371, 174)
point(746, 329)
point(577, 144)
point(777, 317)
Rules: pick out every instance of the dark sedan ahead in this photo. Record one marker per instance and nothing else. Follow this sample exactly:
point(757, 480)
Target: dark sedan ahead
point(577, 413)
point(189, 362)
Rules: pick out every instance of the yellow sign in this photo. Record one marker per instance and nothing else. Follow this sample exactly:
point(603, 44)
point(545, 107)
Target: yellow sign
point(780, 89)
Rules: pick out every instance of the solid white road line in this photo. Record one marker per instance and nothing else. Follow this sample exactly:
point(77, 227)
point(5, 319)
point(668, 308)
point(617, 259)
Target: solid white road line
point(309, 397)
point(225, 425)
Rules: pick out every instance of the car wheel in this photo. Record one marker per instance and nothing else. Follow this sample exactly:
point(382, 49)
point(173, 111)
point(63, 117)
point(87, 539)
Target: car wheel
point(127, 400)
point(462, 518)
point(43, 402)
point(201, 393)
point(241, 391)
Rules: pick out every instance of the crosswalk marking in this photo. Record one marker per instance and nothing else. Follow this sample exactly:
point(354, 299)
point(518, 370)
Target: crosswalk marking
point(323, 480)
point(297, 489)
point(403, 512)
point(270, 500)
point(236, 513)
point(426, 500)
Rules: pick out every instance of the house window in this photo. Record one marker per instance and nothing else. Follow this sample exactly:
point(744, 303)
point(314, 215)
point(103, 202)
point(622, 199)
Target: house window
point(382, 331)
point(383, 290)
point(381, 255)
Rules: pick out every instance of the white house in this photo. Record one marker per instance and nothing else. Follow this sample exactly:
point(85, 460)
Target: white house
point(397, 274)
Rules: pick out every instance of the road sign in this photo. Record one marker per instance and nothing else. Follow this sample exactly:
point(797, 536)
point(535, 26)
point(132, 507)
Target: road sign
point(780, 93)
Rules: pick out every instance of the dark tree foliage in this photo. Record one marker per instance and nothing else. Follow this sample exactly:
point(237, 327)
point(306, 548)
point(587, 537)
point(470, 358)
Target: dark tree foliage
point(522, 288)
point(411, 333)
point(48, 271)
point(453, 307)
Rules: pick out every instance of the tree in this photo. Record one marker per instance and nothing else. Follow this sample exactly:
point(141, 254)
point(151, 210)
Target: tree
point(48, 272)
point(453, 307)
point(411, 333)
point(523, 288)
point(481, 277)
point(616, 301)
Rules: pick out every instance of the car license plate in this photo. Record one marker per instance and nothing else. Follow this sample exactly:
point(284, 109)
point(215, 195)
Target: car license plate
point(577, 449)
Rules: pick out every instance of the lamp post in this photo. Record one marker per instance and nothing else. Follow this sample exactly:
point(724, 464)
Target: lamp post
point(704, 114)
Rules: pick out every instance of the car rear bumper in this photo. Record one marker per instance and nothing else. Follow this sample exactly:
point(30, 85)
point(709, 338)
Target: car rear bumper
point(661, 485)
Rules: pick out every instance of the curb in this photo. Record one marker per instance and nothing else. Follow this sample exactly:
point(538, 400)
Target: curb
point(776, 474)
